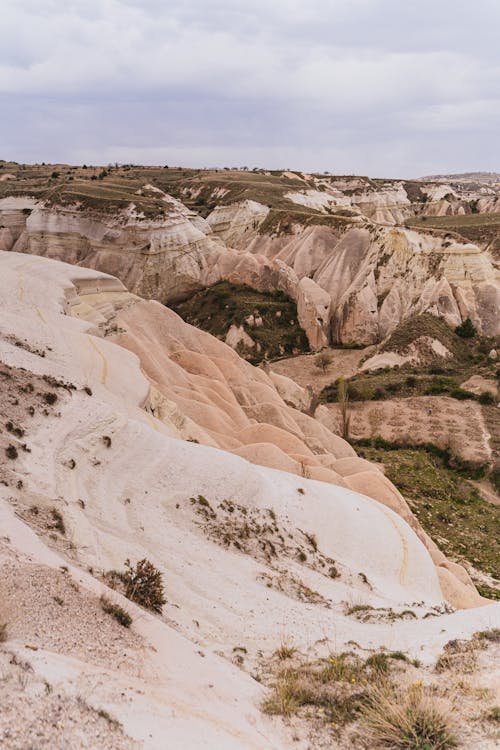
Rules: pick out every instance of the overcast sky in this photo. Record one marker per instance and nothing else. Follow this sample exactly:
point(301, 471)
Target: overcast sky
point(380, 87)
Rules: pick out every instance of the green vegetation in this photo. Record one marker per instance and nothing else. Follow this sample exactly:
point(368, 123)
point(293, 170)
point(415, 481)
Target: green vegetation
point(380, 386)
point(449, 508)
point(217, 308)
point(412, 328)
point(466, 330)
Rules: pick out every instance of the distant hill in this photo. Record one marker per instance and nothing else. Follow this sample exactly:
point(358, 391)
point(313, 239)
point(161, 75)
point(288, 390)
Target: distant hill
point(488, 178)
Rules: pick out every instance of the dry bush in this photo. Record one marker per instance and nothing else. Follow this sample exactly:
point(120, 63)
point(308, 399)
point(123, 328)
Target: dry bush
point(407, 719)
point(322, 360)
point(144, 585)
point(3, 632)
point(458, 655)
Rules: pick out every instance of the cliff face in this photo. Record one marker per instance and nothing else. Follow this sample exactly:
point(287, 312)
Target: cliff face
point(162, 259)
point(376, 275)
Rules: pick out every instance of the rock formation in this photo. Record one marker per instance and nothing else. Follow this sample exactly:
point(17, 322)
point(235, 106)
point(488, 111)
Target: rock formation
point(127, 433)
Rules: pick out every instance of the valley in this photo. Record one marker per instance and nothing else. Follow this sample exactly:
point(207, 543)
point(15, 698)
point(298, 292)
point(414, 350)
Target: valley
point(249, 441)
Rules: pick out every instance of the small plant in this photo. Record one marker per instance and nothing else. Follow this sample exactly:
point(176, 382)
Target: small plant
point(144, 585)
point(106, 440)
point(58, 521)
point(3, 632)
point(285, 651)
point(120, 614)
point(492, 635)
point(493, 715)
point(50, 398)
point(11, 452)
point(322, 360)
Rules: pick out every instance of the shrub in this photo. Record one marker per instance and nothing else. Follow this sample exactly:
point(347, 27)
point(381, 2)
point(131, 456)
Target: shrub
point(460, 394)
point(408, 719)
point(144, 585)
point(3, 632)
point(11, 452)
point(493, 715)
point(120, 614)
point(322, 360)
point(486, 398)
point(58, 521)
point(55, 175)
point(50, 398)
point(466, 330)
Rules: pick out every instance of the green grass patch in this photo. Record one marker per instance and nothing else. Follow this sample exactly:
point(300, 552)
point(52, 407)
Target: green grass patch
point(449, 508)
point(381, 386)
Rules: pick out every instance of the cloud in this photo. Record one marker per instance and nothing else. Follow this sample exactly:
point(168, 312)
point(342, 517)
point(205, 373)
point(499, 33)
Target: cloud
point(214, 80)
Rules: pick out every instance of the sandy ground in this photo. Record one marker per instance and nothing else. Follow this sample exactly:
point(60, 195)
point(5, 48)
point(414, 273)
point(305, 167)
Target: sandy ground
point(345, 363)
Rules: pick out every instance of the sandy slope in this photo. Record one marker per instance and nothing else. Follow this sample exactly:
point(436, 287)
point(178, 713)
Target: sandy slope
point(136, 494)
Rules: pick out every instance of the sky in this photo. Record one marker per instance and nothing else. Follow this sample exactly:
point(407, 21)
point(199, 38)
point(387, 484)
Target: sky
point(388, 88)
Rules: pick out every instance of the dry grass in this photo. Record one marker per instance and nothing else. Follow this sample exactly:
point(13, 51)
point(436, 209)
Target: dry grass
point(459, 655)
point(285, 651)
point(335, 689)
point(411, 718)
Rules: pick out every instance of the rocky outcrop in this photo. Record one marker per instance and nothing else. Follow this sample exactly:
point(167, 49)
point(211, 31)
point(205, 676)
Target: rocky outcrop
point(233, 221)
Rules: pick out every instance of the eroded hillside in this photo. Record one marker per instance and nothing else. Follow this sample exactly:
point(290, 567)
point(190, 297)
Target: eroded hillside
point(128, 434)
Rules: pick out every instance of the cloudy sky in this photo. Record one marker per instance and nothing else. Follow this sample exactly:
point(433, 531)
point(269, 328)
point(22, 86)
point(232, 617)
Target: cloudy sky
point(380, 87)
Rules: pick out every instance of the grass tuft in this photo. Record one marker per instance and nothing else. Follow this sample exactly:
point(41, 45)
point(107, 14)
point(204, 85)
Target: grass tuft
point(408, 719)
point(120, 614)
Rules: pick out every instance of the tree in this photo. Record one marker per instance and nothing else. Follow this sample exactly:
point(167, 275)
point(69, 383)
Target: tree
point(345, 414)
point(323, 359)
point(466, 329)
